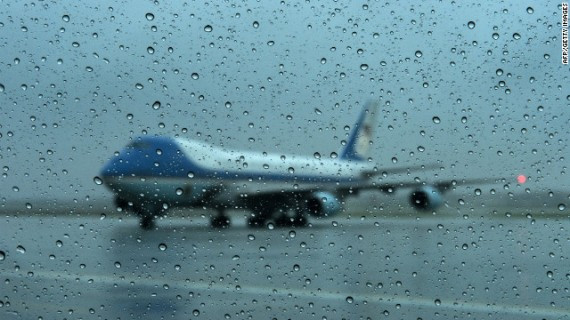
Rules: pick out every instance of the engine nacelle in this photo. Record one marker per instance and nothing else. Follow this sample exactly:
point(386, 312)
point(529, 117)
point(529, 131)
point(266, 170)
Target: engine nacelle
point(426, 198)
point(323, 204)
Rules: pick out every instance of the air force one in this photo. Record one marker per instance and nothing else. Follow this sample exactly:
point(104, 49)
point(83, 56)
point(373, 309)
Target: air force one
point(155, 173)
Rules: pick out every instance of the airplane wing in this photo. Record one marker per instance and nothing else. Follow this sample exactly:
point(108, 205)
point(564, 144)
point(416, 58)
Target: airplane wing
point(441, 186)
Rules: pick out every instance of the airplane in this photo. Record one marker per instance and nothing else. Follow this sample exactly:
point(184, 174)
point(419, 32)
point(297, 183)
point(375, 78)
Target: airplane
point(155, 173)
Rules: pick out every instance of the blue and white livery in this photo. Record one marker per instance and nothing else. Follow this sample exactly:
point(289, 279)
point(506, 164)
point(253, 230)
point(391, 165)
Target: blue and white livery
point(153, 174)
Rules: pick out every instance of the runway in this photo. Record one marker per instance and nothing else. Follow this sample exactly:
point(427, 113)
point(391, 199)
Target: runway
point(407, 267)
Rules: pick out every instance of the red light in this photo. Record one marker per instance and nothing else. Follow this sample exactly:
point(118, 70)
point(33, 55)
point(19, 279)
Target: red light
point(521, 178)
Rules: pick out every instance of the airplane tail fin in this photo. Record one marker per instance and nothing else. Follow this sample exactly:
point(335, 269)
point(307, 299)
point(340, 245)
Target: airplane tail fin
point(361, 135)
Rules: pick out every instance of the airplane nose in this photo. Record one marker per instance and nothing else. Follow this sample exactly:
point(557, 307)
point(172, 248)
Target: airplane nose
point(149, 157)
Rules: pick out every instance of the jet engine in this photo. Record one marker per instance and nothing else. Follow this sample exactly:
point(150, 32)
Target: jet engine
point(323, 204)
point(426, 198)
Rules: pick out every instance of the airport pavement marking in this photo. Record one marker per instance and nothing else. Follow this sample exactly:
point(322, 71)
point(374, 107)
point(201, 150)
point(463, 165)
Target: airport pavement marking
point(210, 286)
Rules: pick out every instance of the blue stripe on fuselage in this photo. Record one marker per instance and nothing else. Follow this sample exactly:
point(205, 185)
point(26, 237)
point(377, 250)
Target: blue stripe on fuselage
point(163, 157)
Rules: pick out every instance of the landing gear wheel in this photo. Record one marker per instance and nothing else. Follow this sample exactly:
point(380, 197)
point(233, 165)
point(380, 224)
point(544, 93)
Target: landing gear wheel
point(256, 222)
point(283, 221)
point(286, 221)
point(220, 222)
point(300, 221)
point(147, 222)
point(121, 204)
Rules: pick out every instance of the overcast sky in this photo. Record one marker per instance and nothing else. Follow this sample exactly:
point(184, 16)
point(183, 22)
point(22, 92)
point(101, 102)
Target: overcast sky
point(79, 80)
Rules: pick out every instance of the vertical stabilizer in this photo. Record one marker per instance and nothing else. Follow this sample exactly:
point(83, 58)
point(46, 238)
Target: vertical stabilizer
point(361, 135)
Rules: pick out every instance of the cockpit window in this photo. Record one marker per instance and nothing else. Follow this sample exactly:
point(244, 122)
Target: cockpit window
point(138, 145)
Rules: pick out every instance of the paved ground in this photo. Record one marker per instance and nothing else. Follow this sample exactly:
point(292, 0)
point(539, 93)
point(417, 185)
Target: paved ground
point(476, 265)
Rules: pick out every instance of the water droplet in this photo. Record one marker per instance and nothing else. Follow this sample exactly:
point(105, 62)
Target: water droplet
point(156, 105)
point(179, 191)
point(150, 50)
point(21, 249)
point(436, 120)
point(323, 60)
point(516, 36)
point(97, 180)
point(65, 18)
point(59, 243)
point(317, 111)
point(255, 24)
point(296, 267)
point(190, 174)
point(463, 119)
point(291, 170)
point(117, 264)
point(149, 16)
point(162, 247)
point(196, 312)
point(499, 72)
point(333, 155)
point(437, 302)
point(139, 86)
point(2, 88)
point(250, 237)
point(495, 36)
point(477, 192)
point(419, 54)
point(529, 10)
point(394, 160)
point(465, 246)
point(2, 255)
point(228, 104)
point(195, 76)
point(349, 299)
point(363, 67)
point(471, 24)
point(208, 28)
point(317, 155)
point(561, 206)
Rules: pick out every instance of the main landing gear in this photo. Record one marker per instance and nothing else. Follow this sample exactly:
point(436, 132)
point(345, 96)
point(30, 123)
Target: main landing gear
point(221, 221)
point(283, 218)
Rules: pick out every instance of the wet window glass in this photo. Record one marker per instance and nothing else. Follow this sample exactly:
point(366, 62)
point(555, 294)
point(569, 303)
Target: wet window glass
point(284, 160)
